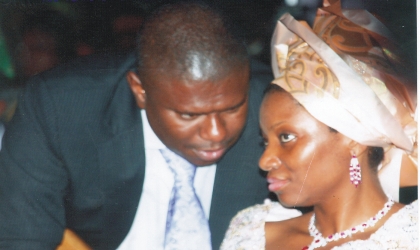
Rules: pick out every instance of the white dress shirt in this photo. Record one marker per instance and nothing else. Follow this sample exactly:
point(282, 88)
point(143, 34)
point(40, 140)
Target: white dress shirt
point(148, 228)
point(1, 133)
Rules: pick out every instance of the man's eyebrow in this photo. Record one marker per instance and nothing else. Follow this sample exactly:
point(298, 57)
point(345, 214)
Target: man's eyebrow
point(203, 113)
point(239, 104)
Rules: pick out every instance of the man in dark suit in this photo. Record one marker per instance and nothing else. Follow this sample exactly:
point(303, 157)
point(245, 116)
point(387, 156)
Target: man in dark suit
point(82, 151)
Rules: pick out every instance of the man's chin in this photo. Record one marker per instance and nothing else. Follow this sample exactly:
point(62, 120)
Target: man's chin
point(208, 157)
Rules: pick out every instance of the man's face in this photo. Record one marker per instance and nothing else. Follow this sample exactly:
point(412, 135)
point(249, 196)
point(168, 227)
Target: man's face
point(198, 119)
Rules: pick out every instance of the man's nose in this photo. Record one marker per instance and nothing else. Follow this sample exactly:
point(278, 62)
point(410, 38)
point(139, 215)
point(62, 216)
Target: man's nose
point(214, 128)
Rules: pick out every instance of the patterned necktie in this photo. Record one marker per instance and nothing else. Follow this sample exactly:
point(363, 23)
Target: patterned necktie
point(187, 227)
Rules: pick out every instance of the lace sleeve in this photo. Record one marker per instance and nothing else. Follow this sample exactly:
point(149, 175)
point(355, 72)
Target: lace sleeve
point(246, 229)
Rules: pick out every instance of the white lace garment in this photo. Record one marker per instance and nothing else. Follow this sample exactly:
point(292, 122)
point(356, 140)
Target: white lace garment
point(400, 231)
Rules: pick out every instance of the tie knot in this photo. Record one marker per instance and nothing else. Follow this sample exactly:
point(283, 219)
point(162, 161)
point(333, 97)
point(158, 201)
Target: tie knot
point(182, 169)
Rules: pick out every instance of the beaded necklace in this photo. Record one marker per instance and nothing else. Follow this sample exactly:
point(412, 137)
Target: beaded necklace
point(320, 241)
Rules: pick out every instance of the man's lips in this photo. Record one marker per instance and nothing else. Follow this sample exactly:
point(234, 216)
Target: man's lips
point(210, 154)
point(275, 185)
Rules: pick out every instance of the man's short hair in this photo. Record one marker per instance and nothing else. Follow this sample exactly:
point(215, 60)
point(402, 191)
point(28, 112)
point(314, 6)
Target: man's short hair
point(172, 35)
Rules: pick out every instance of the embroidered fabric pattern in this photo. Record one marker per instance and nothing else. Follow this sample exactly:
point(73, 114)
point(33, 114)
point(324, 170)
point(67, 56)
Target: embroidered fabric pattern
point(299, 65)
point(400, 231)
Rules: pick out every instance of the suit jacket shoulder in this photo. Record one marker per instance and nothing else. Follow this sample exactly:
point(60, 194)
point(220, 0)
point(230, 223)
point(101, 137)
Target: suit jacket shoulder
point(68, 155)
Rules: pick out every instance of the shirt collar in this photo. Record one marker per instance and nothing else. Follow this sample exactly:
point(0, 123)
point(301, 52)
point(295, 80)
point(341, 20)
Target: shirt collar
point(151, 141)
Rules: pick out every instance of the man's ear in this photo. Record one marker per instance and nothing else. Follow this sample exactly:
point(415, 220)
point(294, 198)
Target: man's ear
point(137, 88)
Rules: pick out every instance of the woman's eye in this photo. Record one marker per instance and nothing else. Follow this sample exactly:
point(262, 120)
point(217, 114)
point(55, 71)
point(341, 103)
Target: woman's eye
point(286, 137)
point(264, 143)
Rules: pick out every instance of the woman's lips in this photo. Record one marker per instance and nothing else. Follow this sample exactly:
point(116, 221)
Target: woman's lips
point(275, 185)
point(210, 155)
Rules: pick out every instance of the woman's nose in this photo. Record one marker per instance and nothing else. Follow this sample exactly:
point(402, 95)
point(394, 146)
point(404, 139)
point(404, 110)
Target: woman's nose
point(269, 159)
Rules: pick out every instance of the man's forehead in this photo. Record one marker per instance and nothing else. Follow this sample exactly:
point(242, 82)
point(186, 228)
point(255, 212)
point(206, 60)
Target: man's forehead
point(199, 67)
point(205, 96)
point(182, 86)
point(197, 62)
point(198, 70)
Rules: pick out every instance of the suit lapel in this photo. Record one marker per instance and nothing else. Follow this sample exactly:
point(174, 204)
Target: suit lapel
point(121, 158)
point(239, 183)
point(122, 161)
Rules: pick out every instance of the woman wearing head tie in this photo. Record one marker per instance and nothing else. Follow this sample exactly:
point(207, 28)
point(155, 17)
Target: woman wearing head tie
point(339, 131)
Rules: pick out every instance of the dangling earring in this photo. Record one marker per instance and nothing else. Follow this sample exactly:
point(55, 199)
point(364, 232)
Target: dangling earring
point(355, 171)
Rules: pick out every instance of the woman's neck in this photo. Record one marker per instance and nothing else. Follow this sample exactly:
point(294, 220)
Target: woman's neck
point(350, 208)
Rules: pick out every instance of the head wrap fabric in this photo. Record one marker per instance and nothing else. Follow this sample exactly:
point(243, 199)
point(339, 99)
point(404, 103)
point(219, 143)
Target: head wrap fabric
point(341, 75)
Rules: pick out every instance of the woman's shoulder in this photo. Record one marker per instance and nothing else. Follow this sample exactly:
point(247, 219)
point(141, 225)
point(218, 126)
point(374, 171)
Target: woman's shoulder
point(251, 216)
point(406, 217)
point(411, 208)
point(246, 229)
point(268, 211)
point(400, 231)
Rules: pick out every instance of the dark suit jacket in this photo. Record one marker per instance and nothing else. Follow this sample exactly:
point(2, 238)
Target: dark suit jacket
point(73, 156)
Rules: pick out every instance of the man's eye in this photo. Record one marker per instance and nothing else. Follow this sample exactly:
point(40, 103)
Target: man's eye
point(233, 110)
point(188, 116)
point(286, 137)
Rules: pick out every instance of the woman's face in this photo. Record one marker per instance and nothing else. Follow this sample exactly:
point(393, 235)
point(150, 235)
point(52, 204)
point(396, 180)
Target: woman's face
point(305, 160)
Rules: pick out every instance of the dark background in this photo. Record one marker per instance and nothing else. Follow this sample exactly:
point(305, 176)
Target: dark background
point(91, 20)
point(84, 27)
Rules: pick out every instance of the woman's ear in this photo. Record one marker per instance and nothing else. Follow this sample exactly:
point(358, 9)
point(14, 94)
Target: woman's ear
point(137, 88)
point(356, 148)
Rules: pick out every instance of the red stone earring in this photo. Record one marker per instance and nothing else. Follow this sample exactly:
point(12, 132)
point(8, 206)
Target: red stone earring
point(355, 171)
